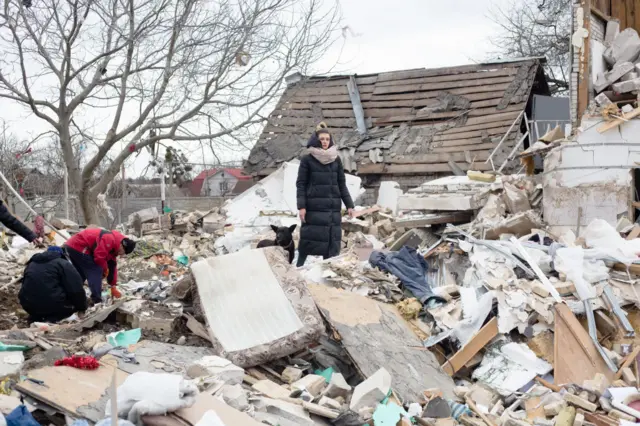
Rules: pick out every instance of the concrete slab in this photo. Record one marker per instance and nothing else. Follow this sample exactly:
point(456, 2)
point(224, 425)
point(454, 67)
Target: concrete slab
point(370, 392)
point(254, 302)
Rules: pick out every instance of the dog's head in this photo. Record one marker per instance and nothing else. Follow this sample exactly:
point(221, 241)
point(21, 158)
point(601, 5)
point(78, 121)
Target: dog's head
point(284, 235)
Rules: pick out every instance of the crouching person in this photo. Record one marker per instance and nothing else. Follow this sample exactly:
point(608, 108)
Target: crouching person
point(52, 289)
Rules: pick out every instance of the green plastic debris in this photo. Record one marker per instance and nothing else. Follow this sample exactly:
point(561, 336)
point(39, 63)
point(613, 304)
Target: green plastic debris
point(327, 374)
point(124, 338)
point(388, 415)
point(11, 348)
point(167, 209)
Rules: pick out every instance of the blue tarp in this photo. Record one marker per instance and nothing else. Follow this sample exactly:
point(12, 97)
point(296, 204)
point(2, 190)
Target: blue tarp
point(409, 266)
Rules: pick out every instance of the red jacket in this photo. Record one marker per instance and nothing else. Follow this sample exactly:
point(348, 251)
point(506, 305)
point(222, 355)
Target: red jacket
point(102, 248)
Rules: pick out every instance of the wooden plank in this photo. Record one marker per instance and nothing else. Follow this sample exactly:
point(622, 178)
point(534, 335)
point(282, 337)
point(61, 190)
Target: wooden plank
point(584, 70)
point(408, 169)
point(365, 97)
point(309, 105)
point(618, 12)
point(421, 99)
point(473, 147)
point(328, 113)
point(498, 72)
point(298, 130)
point(375, 335)
point(472, 347)
point(432, 72)
point(64, 394)
point(383, 90)
point(629, 359)
point(618, 121)
point(576, 357)
point(635, 232)
point(470, 141)
point(491, 132)
point(333, 82)
point(478, 112)
point(434, 158)
point(311, 122)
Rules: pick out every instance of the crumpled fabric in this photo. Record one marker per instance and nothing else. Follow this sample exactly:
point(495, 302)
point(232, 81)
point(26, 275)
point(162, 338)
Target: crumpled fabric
point(410, 267)
point(146, 393)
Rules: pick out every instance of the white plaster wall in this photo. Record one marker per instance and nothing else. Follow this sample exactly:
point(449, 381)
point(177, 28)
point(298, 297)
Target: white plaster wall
point(592, 173)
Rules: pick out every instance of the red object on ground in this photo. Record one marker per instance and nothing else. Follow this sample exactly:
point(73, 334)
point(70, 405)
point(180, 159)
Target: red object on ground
point(81, 362)
point(115, 292)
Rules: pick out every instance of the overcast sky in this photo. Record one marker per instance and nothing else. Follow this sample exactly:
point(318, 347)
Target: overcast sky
point(382, 35)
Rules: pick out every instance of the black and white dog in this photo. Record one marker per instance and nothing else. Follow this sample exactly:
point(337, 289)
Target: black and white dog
point(284, 239)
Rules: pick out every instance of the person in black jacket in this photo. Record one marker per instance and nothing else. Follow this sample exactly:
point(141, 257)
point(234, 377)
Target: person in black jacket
point(321, 189)
point(51, 289)
point(16, 226)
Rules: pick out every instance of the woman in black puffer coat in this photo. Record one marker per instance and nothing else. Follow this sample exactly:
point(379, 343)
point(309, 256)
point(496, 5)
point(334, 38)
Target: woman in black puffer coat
point(321, 188)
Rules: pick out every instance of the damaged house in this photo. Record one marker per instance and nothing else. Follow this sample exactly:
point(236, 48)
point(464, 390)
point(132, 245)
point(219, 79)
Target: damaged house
point(408, 126)
point(594, 175)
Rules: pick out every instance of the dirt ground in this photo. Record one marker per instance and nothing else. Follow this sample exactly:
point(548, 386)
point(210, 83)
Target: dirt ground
point(11, 313)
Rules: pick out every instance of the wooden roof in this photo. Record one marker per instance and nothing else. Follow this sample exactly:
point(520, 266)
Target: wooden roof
point(420, 117)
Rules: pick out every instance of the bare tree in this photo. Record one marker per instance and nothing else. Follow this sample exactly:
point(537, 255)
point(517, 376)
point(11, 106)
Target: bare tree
point(112, 77)
point(537, 28)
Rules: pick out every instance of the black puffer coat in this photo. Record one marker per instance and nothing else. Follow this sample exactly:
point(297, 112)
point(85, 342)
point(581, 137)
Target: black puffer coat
point(51, 287)
point(321, 189)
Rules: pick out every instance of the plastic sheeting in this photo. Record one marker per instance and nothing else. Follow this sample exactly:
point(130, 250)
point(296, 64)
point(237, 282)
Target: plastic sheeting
point(410, 267)
point(604, 237)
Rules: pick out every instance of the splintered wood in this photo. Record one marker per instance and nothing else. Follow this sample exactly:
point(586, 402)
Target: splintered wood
point(475, 345)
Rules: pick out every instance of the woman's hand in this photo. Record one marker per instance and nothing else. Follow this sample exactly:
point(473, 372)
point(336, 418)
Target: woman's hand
point(351, 212)
point(303, 214)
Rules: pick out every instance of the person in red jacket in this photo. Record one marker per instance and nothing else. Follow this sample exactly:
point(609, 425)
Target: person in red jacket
point(94, 252)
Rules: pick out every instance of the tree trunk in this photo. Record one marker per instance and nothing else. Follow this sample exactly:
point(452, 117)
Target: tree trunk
point(88, 202)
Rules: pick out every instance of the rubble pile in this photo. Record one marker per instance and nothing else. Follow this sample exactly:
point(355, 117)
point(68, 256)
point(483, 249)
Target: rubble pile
point(618, 73)
point(450, 304)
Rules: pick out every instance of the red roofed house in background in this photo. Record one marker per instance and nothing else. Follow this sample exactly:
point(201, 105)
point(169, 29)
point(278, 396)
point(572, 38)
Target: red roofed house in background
point(220, 183)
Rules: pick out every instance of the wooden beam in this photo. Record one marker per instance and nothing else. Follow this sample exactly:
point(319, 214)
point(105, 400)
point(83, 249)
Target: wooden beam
point(499, 72)
point(409, 169)
point(627, 362)
point(584, 70)
point(382, 90)
point(473, 346)
point(618, 121)
point(354, 94)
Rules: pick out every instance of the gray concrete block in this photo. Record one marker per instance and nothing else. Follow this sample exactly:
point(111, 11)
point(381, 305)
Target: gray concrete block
point(627, 86)
point(370, 392)
point(612, 31)
point(625, 48)
point(607, 79)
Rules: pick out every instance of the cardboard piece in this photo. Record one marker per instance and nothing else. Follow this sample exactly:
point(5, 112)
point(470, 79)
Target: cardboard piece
point(74, 392)
point(575, 355)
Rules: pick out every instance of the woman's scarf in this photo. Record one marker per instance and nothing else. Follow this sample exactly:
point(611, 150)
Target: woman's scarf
point(324, 156)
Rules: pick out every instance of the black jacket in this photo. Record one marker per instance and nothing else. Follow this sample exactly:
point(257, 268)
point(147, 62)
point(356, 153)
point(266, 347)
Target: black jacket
point(15, 225)
point(51, 284)
point(321, 189)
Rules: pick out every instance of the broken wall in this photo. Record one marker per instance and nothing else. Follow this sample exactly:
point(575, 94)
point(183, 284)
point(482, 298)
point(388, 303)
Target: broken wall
point(591, 177)
point(371, 184)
